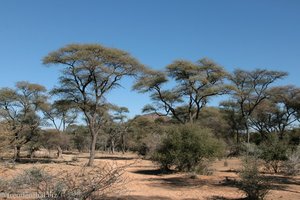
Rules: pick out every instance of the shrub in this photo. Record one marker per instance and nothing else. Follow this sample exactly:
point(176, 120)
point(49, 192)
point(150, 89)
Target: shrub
point(143, 136)
point(74, 159)
point(292, 164)
point(250, 149)
point(252, 183)
point(204, 168)
point(148, 145)
point(185, 147)
point(242, 149)
point(86, 183)
point(273, 152)
point(10, 164)
point(3, 185)
point(35, 179)
point(81, 143)
point(143, 149)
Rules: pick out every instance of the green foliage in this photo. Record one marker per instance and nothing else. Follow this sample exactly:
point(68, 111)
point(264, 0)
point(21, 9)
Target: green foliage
point(273, 152)
point(19, 111)
point(249, 90)
point(209, 117)
point(51, 139)
point(90, 71)
point(144, 134)
point(243, 149)
point(196, 83)
point(292, 164)
point(252, 182)
point(294, 137)
point(60, 114)
point(185, 147)
point(80, 137)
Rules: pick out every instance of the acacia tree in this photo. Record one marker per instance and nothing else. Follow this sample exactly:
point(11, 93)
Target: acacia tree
point(90, 72)
point(286, 99)
point(233, 117)
point(250, 90)
point(5, 136)
point(120, 118)
point(60, 113)
point(212, 116)
point(263, 118)
point(54, 139)
point(195, 84)
point(115, 128)
point(18, 108)
point(278, 112)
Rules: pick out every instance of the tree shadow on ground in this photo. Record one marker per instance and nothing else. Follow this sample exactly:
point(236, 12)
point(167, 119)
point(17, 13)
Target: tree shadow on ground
point(223, 198)
point(138, 197)
point(178, 182)
point(110, 158)
point(278, 183)
point(143, 166)
point(152, 172)
point(230, 171)
point(70, 153)
point(283, 179)
point(114, 158)
point(39, 160)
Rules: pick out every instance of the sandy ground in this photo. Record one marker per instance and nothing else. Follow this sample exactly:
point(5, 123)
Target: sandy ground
point(143, 180)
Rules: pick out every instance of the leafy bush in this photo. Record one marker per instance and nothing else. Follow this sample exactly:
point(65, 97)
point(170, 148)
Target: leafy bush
point(273, 152)
point(252, 183)
point(185, 147)
point(292, 164)
point(143, 135)
point(74, 159)
point(79, 136)
point(143, 149)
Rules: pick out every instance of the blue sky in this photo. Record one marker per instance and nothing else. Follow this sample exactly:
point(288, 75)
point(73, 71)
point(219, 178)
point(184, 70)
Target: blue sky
point(247, 34)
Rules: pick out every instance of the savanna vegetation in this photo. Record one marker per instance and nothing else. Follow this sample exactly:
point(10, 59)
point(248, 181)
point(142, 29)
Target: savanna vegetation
point(257, 121)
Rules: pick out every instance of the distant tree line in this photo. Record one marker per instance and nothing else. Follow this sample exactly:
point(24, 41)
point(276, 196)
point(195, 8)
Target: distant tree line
point(256, 110)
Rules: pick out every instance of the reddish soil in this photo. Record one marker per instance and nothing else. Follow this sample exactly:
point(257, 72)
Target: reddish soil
point(143, 180)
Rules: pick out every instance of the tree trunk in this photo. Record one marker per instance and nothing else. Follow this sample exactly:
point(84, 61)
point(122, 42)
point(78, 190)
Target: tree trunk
point(248, 136)
point(281, 135)
point(247, 132)
point(32, 150)
point(92, 148)
point(112, 146)
point(237, 137)
point(17, 152)
point(59, 152)
point(123, 143)
point(32, 155)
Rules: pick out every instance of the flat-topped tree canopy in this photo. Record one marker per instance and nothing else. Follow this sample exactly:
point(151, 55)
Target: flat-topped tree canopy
point(90, 71)
point(19, 111)
point(195, 82)
point(92, 67)
point(250, 89)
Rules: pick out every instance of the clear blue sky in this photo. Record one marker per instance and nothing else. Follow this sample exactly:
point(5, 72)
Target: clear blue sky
point(247, 34)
